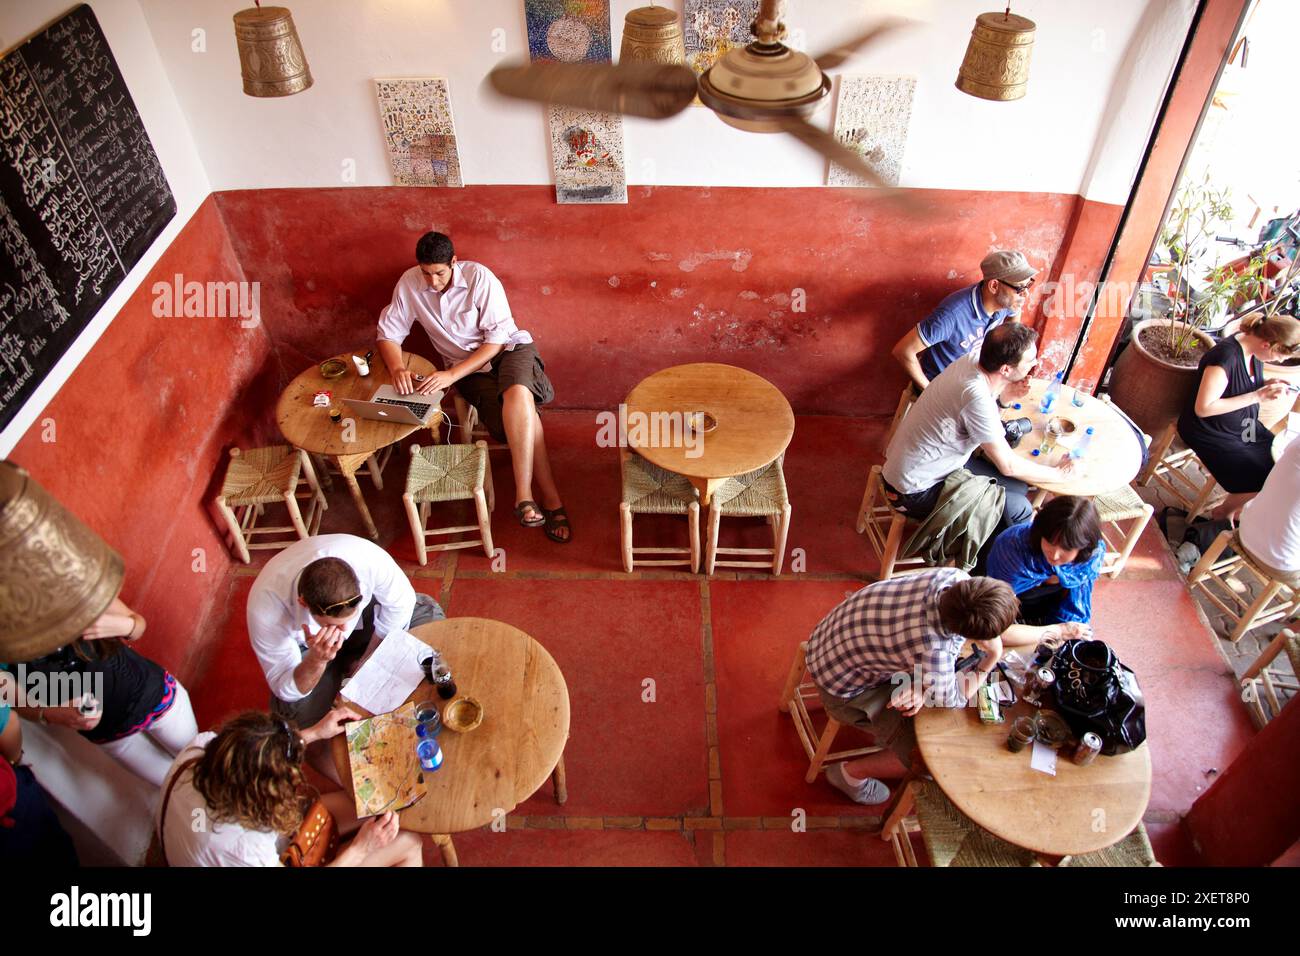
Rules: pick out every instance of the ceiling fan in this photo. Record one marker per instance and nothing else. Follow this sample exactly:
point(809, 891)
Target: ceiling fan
point(764, 87)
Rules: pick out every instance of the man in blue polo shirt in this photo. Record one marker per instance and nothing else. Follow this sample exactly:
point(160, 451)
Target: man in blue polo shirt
point(958, 325)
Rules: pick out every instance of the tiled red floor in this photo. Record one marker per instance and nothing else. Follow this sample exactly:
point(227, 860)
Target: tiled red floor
point(609, 633)
point(625, 756)
point(810, 848)
point(571, 848)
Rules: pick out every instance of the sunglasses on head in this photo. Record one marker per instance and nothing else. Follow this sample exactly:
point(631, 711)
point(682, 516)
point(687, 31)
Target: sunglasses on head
point(293, 747)
point(332, 610)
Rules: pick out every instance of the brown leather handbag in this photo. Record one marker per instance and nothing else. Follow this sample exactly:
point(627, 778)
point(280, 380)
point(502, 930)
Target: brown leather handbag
point(317, 839)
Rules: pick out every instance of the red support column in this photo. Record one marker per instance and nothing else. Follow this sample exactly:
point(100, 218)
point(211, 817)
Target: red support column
point(1251, 815)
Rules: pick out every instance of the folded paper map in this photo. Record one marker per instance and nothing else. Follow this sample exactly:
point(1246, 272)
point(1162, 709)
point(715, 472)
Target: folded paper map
point(386, 771)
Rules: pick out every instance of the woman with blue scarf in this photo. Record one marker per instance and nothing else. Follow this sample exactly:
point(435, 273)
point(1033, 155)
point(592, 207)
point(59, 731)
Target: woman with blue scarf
point(1052, 563)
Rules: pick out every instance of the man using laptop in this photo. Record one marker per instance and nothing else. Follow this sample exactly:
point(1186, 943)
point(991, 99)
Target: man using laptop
point(493, 364)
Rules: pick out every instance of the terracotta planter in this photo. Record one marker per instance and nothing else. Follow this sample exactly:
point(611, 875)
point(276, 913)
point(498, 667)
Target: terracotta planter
point(1150, 390)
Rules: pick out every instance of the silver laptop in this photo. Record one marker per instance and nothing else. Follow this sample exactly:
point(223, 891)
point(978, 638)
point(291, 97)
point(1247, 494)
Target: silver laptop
point(388, 406)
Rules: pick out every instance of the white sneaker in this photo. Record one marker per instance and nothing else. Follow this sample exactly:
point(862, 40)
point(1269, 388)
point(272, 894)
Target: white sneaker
point(869, 791)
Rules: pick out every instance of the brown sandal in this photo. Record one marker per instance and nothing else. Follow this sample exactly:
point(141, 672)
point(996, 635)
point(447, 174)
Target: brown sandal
point(524, 507)
point(556, 519)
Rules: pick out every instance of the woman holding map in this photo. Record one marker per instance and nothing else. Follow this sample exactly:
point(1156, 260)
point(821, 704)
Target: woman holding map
point(237, 797)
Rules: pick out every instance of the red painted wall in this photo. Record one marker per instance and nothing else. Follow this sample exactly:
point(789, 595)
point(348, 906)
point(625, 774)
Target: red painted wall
point(140, 433)
point(612, 293)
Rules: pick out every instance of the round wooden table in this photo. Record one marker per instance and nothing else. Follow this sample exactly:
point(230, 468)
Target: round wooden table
point(1112, 460)
point(754, 422)
point(1080, 810)
point(346, 446)
point(490, 770)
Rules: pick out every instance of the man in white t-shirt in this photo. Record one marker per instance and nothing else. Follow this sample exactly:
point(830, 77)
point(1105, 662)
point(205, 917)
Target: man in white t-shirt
point(958, 413)
point(313, 612)
point(1269, 527)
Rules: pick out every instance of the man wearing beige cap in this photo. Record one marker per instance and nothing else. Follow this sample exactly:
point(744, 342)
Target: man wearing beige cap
point(958, 325)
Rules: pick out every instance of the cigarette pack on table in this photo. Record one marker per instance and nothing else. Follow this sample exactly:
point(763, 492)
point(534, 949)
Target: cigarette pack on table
point(990, 709)
point(322, 398)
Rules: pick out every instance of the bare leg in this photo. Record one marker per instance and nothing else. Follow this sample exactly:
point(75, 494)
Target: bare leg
point(528, 455)
point(1231, 506)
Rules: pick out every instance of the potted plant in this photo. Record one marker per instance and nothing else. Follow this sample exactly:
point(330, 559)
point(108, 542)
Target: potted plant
point(1154, 378)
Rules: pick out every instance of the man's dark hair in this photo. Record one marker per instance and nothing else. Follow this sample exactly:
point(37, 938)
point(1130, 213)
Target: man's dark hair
point(979, 609)
point(1005, 344)
point(434, 249)
point(1068, 522)
point(326, 583)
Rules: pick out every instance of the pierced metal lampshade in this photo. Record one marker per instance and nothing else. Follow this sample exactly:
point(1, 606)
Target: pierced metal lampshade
point(56, 575)
point(653, 34)
point(270, 55)
point(996, 66)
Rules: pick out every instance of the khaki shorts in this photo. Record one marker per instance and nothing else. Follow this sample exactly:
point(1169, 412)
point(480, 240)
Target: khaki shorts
point(518, 366)
point(869, 711)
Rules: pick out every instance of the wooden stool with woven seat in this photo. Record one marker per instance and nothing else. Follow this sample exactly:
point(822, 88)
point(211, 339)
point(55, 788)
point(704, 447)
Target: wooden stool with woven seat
point(651, 490)
point(1122, 504)
point(375, 466)
point(1261, 675)
point(756, 494)
point(1180, 474)
point(799, 690)
point(874, 511)
point(261, 476)
point(1214, 578)
point(449, 473)
point(470, 428)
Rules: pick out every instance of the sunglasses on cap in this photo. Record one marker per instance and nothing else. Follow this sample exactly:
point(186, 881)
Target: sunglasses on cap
point(333, 610)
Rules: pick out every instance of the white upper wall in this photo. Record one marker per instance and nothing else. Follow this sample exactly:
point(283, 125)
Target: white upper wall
point(1087, 54)
point(128, 36)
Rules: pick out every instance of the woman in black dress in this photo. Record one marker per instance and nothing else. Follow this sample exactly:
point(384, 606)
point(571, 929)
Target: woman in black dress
point(1221, 423)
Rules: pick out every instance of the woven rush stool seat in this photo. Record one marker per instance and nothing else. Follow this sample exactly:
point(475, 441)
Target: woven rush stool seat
point(885, 539)
point(1132, 851)
point(757, 494)
point(798, 693)
point(950, 837)
point(1212, 578)
point(1261, 675)
point(439, 473)
point(651, 490)
point(257, 477)
point(1122, 504)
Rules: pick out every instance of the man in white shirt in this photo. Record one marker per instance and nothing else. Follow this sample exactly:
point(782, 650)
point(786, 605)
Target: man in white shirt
point(314, 611)
point(492, 363)
point(958, 413)
point(1270, 522)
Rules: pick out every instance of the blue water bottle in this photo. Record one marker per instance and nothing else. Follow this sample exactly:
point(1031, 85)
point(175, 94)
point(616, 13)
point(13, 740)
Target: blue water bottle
point(1049, 397)
point(1081, 446)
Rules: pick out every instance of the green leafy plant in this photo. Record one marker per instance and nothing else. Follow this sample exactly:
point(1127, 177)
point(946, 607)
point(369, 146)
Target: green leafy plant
point(1198, 211)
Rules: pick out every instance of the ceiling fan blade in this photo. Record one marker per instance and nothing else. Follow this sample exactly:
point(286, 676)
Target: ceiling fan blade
point(649, 90)
point(834, 57)
point(837, 152)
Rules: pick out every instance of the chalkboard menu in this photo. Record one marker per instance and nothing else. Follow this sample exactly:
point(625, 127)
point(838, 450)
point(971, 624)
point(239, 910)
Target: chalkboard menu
point(82, 195)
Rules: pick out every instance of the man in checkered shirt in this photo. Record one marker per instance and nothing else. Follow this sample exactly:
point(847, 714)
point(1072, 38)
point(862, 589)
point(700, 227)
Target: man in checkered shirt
point(892, 647)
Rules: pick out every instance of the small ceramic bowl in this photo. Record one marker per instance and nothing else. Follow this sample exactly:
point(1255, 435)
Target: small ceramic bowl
point(462, 715)
point(333, 368)
point(1065, 425)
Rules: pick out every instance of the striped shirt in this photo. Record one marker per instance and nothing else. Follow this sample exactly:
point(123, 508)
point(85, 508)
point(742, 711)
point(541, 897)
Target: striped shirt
point(888, 628)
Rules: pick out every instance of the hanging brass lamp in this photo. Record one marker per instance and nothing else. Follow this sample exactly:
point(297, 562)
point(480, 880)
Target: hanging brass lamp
point(270, 55)
point(56, 575)
point(996, 66)
point(654, 35)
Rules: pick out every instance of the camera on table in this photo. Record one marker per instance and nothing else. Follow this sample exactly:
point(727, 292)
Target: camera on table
point(1016, 429)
